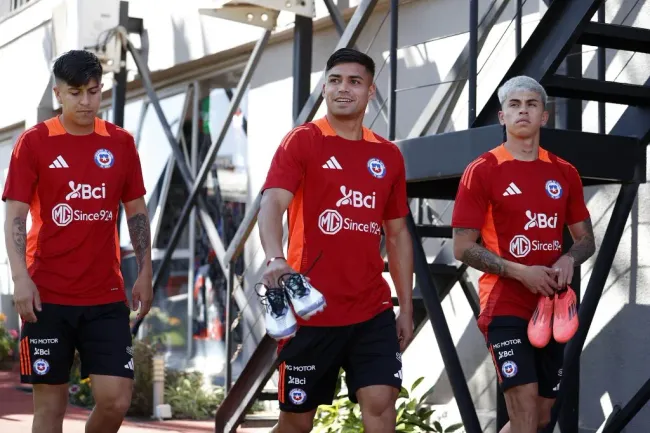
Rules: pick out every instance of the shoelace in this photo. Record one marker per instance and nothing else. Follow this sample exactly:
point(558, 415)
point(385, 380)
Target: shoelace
point(294, 284)
point(275, 300)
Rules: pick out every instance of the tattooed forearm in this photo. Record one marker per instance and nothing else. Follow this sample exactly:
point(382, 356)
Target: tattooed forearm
point(19, 232)
point(484, 260)
point(476, 256)
point(140, 233)
point(584, 247)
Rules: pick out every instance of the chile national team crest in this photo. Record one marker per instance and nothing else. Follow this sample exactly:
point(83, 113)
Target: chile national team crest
point(554, 189)
point(104, 158)
point(509, 369)
point(297, 396)
point(41, 367)
point(377, 168)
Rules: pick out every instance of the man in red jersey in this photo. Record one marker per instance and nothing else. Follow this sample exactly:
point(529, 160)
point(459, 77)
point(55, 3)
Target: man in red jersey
point(70, 174)
point(340, 183)
point(517, 198)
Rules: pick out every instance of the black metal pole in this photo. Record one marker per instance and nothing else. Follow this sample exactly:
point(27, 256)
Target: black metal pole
point(228, 325)
point(618, 422)
point(473, 60)
point(302, 49)
point(441, 331)
point(572, 120)
point(119, 85)
point(392, 80)
point(593, 292)
point(518, 15)
point(602, 71)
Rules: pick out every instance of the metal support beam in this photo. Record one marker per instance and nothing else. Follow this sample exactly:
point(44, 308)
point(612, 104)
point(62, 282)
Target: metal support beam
point(392, 79)
point(542, 54)
point(228, 326)
point(443, 336)
point(518, 29)
point(473, 60)
point(302, 48)
point(622, 418)
point(447, 155)
point(120, 78)
point(590, 89)
point(192, 184)
point(616, 37)
point(602, 73)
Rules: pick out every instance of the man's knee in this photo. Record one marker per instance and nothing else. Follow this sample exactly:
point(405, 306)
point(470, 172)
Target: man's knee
point(50, 402)
point(290, 422)
point(378, 401)
point(112, 395)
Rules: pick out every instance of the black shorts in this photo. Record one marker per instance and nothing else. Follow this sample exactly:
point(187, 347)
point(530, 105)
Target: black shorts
point(100, 333)
point(310, 362)
point(518, 363)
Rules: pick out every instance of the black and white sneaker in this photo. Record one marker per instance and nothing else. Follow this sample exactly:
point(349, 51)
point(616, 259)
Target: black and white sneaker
point(306, 300)
point(280, 321)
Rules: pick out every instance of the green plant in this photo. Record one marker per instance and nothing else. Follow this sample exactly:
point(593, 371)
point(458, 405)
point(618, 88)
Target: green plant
point(161, 329)
point(8, 342)
point(189, 398)
point(413, 416)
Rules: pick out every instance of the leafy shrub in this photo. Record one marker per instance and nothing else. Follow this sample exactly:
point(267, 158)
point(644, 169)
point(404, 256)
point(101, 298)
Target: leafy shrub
point(343, 416)
point(8, 343)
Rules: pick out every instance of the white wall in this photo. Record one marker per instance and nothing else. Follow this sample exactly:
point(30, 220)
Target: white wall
point(612, 363)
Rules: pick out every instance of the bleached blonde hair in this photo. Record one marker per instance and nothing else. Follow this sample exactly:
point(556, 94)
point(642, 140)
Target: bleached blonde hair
point(521, 83)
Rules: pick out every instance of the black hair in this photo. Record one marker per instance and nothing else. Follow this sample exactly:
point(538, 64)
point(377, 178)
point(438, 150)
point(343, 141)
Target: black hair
point(77, 67)
point(350, 55)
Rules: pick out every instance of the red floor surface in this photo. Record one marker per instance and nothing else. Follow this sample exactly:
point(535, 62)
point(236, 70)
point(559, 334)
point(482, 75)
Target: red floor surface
point(16, 415)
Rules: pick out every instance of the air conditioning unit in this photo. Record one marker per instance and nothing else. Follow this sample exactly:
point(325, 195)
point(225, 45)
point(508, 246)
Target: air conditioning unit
point(88, 24)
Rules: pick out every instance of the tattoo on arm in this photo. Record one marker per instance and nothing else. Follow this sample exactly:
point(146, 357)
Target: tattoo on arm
point(19, 232)
point(481, 258)
point(584, 247)
point(140, 233)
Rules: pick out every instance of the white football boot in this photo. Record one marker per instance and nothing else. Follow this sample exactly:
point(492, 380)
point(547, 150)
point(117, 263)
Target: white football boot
point(280, 321)
point(306, 300)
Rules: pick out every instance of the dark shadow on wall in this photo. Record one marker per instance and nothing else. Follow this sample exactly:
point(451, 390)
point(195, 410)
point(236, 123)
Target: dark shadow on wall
point(614, 361)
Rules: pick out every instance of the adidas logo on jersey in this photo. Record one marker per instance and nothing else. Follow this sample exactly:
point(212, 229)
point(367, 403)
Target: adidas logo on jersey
point(333, 164)
point(512, 190)
point(59, 162)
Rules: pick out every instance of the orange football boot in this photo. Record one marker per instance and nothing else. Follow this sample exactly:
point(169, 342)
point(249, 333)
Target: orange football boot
point(565, 320)
point(540, 326)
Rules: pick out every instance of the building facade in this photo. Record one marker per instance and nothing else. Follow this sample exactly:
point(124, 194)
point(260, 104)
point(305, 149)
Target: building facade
point(185, 47)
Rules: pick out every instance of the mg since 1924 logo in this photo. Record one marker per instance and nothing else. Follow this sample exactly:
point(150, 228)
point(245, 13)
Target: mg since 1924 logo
point(330, 222)
point(521, 246)
point(62, 214)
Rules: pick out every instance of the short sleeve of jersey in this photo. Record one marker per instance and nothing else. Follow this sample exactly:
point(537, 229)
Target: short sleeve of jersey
point(23, 173)
point(472, 198)
point(290, 160)
point(397, 205)
point(576, 208)
point(134, 184)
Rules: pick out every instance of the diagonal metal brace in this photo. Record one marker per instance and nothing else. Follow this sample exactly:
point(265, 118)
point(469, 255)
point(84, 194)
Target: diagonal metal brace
point(206, 220)
point(211, 154)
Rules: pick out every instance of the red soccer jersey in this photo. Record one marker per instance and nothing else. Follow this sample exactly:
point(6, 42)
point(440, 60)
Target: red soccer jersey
point(343, 191)
point(74, 185)
point(521, 208)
